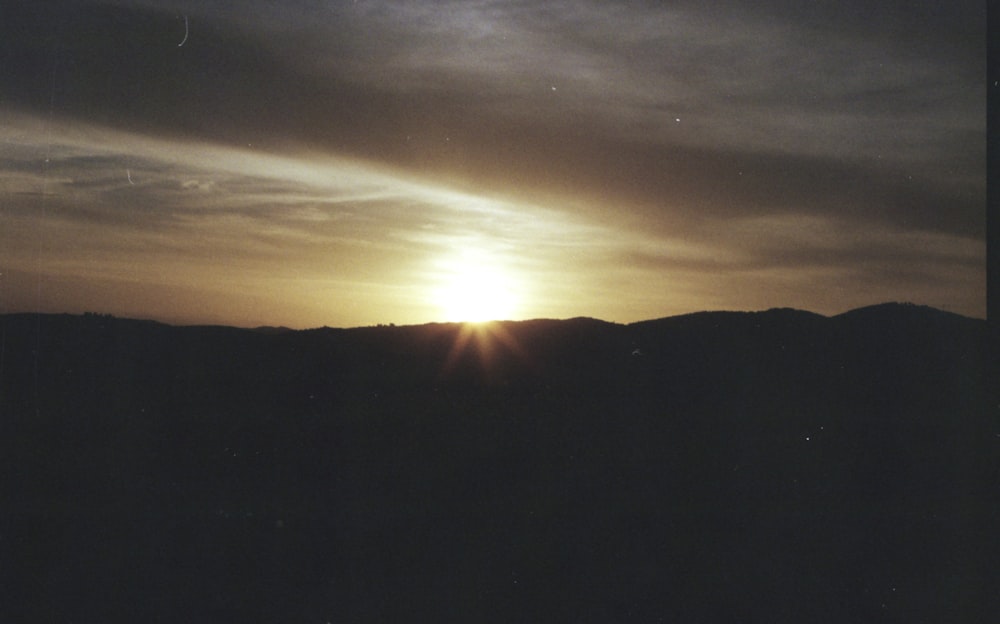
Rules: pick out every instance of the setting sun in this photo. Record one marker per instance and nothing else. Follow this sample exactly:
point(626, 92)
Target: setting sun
point(474, 287)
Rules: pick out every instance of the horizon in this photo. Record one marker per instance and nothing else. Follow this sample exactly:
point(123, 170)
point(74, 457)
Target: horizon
point(366, 163)
point(488, 322)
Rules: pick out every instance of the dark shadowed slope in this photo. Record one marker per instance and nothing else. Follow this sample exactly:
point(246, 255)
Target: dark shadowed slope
point(774, 466)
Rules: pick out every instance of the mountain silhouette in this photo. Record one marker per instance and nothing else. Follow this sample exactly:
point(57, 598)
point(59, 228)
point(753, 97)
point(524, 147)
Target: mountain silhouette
point(777, 466)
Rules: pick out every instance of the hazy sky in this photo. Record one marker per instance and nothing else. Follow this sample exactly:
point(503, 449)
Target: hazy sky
point(311, 162)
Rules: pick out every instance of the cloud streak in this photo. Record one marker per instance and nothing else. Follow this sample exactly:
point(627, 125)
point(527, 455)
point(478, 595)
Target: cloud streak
point(195, 213)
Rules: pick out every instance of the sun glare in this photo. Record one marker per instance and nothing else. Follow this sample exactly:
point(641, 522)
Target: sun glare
point(475, 288)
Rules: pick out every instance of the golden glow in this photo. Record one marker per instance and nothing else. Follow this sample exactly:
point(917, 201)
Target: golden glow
point(474, 286)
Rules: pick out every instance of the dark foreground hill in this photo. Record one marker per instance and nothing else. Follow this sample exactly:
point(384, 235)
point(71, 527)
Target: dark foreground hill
point(778, 466)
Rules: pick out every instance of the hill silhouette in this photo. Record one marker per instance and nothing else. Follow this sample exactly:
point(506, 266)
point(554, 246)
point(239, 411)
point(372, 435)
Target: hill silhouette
point(777, 466)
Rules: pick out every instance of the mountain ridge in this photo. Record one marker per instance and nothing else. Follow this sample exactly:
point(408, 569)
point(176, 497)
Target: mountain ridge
point(894, 307)
point(764, 345)
point(218, 474)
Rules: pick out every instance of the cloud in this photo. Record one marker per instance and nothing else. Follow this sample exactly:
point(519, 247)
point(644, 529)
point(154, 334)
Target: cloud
point(600, 146)
point(739, 79)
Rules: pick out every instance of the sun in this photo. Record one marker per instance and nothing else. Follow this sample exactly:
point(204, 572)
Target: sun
point(474, 287)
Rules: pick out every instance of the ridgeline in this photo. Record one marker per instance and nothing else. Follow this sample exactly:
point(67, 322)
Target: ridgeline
point(776, 466)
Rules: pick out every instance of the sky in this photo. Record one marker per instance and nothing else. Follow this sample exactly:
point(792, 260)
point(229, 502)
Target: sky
point(316, 163)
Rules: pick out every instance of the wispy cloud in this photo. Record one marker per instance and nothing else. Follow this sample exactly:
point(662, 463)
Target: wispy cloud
point(141, 210)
